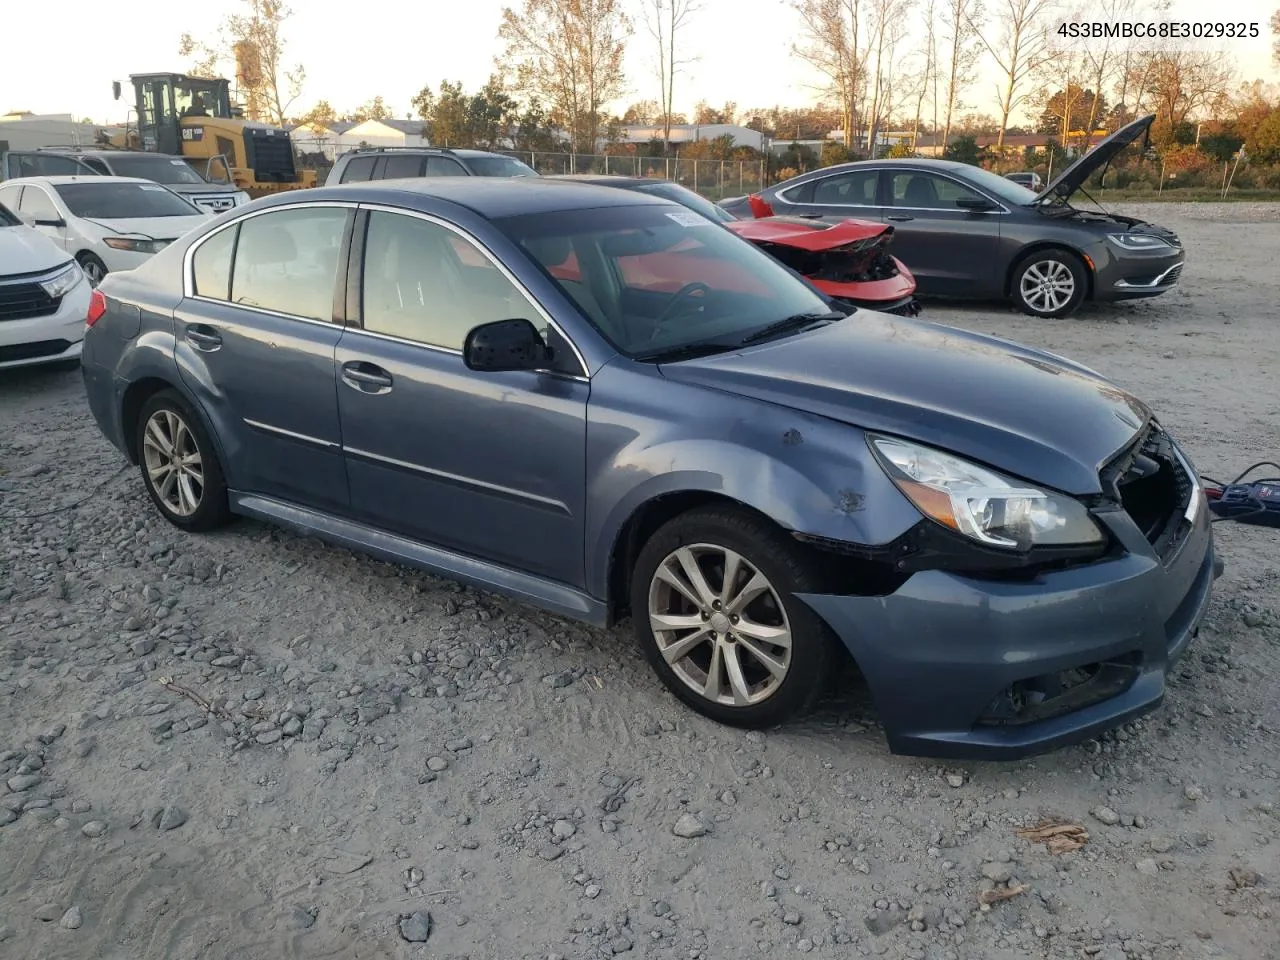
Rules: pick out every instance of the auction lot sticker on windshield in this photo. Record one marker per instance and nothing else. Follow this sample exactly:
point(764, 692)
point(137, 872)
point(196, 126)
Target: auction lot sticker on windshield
point(687, 218)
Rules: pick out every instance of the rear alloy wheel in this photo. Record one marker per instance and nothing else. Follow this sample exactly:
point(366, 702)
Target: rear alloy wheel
point(179, 467)
point(1049, 283)
point(714, 609)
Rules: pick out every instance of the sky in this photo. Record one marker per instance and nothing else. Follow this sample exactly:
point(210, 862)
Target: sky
point(395, 47)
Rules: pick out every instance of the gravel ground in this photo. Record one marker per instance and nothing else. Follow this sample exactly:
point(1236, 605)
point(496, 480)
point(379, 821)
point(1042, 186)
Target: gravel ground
point(394, 766)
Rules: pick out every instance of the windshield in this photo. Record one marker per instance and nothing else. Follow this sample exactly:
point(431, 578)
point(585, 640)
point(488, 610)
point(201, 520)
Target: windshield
point(123, 201)
point(159, 169)
point(1002, 187)
point(500, 167)
point(685, 196)
point(658, 278)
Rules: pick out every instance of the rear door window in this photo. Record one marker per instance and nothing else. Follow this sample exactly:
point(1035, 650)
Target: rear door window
point(358, 168)
point(287, 262)
point(402, 166)
point(854, 189)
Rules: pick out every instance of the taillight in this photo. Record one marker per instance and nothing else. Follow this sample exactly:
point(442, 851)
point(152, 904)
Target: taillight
point(97, 307)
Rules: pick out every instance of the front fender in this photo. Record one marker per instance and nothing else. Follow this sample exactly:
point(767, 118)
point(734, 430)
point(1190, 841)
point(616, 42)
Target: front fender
point(808, 474)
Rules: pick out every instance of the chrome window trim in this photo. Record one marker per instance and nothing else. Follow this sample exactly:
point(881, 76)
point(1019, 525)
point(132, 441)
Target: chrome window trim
point(1003, 211)
point(188, 279)
point(502, 267)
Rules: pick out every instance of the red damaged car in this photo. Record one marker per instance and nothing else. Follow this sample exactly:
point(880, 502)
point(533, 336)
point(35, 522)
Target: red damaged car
point(848, 261)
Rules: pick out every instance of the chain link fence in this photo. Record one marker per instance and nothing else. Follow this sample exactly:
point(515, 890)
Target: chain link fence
point(714, 179)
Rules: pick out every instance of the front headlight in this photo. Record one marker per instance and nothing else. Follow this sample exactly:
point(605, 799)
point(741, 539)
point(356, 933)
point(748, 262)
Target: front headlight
point(135, 245)
point(981, 504)
point(241, 198)
point(1138, 241)
point(63, 282)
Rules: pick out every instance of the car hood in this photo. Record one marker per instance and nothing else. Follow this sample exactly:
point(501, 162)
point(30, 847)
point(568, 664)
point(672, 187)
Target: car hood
point(157, 228)
point(25, 250)
point(1031, 414)
point(805, 234)
point(1073, 178)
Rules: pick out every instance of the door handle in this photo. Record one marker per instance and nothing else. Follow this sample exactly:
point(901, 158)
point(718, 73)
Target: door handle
point(366, 377)
point(900, 218)
point(204, 338)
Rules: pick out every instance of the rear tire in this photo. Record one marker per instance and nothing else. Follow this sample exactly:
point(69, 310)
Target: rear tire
point(745, 652)
point(1049, 283)
point(179, 465)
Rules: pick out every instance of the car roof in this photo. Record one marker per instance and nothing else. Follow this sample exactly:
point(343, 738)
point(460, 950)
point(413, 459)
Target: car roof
point(605, 179)
point(491, 197)
point(463, 152)
point(65, 179)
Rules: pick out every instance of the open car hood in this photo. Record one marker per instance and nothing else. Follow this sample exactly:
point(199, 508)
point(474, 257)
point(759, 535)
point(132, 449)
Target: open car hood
point(805, 234)
point(1073, 178)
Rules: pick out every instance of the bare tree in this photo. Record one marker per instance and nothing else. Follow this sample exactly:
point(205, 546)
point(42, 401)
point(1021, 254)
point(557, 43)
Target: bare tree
point(567, 53)
point(925, 79)
point(666, 20)
point(960, 20)
point(888, 22)
point(254, 41)
point(1018, 43)
point(831, 34)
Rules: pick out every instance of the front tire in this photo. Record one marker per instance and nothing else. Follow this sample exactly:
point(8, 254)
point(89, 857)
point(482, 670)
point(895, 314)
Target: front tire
point(1049, 283)
point(714, 609)
point(179, 466)
point(94, 269)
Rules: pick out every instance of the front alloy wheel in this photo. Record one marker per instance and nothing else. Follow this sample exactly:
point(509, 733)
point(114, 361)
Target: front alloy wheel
point(714, 607)
point(720, 625)
point(1049, 283)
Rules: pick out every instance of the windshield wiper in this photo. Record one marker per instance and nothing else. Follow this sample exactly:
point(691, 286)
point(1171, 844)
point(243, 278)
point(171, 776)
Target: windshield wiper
point(796, 321)
point(688, 351)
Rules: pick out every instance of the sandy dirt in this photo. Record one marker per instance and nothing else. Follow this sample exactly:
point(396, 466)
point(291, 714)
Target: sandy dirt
point(390, 755)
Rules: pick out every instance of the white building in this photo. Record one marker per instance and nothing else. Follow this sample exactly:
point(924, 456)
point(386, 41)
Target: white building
point(342, 136)
point(692, 132)
point(27, 131)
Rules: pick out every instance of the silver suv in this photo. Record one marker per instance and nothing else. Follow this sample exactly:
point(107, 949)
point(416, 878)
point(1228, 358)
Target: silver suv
point(394, 163)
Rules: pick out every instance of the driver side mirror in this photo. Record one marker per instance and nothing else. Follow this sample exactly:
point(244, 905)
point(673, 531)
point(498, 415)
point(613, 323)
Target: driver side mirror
point(505, 345)
point(975, 204)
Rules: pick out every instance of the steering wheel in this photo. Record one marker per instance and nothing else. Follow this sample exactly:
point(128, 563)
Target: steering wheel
point(676, 303)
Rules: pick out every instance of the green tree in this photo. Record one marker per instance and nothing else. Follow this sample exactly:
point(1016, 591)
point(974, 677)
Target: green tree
point(963, 150)
point(1264, 146)
point(375, 109)
point(833, 152)
point(568, 54)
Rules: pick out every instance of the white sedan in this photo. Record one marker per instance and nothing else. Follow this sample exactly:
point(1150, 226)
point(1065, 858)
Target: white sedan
point(105, 223)
point(44, 299)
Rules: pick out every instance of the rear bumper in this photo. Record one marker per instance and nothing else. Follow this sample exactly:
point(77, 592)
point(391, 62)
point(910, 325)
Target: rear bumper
point(947, 657)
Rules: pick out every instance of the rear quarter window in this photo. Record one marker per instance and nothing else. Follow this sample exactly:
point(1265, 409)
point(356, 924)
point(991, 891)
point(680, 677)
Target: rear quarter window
point(212, 264)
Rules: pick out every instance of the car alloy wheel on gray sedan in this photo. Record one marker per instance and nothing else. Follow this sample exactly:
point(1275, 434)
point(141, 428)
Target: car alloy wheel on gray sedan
point(178, 464)
point(1049, 283)
point(714, 606)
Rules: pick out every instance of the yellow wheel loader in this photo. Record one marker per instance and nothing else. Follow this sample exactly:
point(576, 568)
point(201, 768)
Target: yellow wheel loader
point(193, 118)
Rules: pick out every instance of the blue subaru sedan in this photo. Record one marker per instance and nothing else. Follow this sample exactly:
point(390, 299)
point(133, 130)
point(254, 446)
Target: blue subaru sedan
point(601, 403)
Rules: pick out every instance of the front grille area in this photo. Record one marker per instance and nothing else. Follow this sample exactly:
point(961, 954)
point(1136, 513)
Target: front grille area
point(215, 204)
point(33, 351)
point(270, 156)
point(22, 301)
point(1173, 275)
point(1153, 487)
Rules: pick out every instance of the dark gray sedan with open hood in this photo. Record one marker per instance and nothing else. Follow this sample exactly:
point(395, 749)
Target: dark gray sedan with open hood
point(967, 232)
